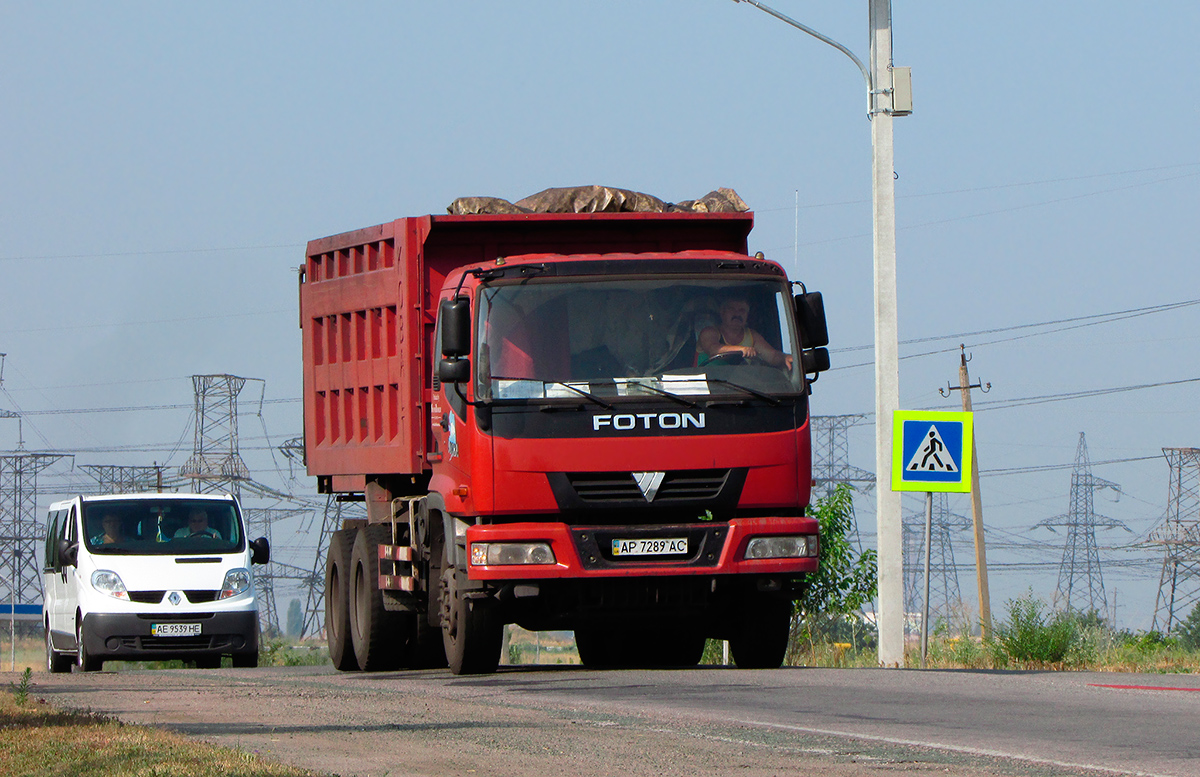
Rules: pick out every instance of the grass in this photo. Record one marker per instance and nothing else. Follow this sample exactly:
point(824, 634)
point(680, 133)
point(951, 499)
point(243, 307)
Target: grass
point(37, 740)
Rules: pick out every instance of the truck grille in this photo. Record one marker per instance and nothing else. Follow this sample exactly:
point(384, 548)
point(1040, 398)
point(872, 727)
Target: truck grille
point(598, 488)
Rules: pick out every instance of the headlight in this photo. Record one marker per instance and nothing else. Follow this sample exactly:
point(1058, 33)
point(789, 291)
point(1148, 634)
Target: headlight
point(799, 546)
point(237, 582)
point(108, 582)
point(489, 553)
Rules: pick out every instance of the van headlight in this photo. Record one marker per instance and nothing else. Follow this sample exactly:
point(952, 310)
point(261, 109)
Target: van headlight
point(108, 582)
point(782, 546)
point(237, 582)
point(508, 553)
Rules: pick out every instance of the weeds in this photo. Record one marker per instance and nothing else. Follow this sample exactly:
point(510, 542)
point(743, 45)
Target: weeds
point(21, 690)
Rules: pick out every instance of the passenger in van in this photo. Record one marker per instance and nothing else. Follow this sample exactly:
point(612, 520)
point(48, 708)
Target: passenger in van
point(197, 526)
point(111, 525)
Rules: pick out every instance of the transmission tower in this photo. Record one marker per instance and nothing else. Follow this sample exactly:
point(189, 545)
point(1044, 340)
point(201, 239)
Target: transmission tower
point(125, 480)
point(21, 533)
point(945, 596)
point(1080, 578)
point(258, 524)
point(1179, 534)
point(216, 465)
point(831, 453)
point(331, 521)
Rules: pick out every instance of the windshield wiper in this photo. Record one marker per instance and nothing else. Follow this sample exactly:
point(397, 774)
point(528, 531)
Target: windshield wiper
point(739, 386)
point(656, 390)
point(578, 391)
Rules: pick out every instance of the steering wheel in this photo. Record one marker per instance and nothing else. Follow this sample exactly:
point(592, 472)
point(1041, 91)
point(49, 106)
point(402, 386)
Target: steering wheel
point(735, 358)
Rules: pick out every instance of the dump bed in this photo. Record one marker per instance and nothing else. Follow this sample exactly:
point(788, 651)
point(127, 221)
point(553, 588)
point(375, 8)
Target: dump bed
point(368, 307)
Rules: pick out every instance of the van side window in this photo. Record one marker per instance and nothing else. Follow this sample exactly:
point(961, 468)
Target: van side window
point(52, 529)
point(70, 531)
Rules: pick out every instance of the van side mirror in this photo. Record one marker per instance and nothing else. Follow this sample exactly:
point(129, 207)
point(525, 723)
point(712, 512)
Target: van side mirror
point(68, 553)
point(260, 551)
point(456, 327)
point(810, 320)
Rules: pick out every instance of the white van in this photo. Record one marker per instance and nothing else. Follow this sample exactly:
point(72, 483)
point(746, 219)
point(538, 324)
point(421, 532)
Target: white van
point(149, 577)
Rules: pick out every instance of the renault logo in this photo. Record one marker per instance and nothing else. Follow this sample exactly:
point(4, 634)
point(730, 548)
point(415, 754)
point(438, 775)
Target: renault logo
point(174, 598)
point(649, 483)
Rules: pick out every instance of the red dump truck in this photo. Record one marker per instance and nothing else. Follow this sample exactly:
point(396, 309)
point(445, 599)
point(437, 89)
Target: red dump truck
point(594, 422)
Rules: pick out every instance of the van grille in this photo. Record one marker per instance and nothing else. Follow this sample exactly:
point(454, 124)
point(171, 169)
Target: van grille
point(147, 597)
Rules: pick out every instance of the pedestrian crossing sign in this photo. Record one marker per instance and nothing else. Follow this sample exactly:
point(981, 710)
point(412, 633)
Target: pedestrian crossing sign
point(931, 451)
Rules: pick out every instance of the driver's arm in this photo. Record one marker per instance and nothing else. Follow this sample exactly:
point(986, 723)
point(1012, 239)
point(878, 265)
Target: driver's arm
point(770, 354)
point(710, 343)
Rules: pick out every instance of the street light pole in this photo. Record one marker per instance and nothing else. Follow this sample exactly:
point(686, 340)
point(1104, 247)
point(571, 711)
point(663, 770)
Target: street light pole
point(881, 107)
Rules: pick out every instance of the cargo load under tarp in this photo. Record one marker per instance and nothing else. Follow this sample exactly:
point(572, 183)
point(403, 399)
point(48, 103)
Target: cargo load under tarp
point(597, 199)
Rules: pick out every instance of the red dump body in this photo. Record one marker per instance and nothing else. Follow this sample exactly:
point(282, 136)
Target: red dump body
point(368, 304)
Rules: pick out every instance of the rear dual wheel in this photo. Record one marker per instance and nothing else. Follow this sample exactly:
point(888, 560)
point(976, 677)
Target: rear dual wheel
point(378, 636)
point(337, 600)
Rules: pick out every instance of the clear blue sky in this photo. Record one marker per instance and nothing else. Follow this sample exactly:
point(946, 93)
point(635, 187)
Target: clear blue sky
point(163, 165)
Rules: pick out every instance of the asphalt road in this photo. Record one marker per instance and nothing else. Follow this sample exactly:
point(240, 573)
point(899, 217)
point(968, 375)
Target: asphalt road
point(573, 721)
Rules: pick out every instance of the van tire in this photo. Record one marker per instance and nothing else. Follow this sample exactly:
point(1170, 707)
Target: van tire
point(337, 601)
point(245, 660)
point(84, 662)
point(378, 636)
point(56, 663)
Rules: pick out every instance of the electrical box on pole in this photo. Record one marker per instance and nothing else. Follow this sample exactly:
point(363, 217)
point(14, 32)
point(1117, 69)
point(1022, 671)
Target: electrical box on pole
point(901, 91)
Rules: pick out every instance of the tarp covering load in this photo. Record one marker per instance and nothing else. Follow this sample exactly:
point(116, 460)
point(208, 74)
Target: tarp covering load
point(597, 199)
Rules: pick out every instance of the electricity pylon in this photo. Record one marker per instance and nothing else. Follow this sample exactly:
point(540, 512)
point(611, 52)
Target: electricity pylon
point(21, 533)
point(1179, 534)
point(945, 596)
point(1080, 577)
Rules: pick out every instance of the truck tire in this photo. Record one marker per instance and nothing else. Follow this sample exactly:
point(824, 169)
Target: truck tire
point(762, 639)
point(337, 601)
point(471, 632)
point(599, 649)
point(681, 648)
point(378, 636)
point(56, 663)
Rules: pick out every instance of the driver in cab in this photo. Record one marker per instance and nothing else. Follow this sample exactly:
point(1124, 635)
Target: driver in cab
point(733, 338)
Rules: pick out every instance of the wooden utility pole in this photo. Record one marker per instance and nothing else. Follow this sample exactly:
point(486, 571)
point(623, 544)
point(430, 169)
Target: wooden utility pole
point(981, 576)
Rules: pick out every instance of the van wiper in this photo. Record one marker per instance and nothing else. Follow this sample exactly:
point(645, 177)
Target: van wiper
point(740, 387)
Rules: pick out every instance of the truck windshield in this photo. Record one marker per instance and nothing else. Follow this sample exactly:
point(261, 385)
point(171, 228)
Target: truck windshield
point(681, 337)
point(162, 526)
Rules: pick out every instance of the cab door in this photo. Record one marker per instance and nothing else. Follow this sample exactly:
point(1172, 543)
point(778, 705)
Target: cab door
point(51, 570)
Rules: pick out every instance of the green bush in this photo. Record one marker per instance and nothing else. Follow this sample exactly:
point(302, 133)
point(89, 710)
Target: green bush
point(1033, 636)
point(1188, 631)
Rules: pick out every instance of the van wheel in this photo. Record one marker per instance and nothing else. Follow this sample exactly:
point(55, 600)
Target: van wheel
point(83, 661)
point(56, 663)
point(471, 632)
point(378, 636)
point(245, 660)
point(337, 600)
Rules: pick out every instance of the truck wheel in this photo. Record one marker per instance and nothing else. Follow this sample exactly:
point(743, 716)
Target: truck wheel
point(676, 649)
point(83, 661)
point(471, 632)
point(56, 663)
point(378, 635)
point(598, 649)
point(762, 639)
point(337, 601)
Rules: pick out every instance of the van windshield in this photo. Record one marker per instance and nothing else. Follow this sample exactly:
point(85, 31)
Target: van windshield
point(162, 526)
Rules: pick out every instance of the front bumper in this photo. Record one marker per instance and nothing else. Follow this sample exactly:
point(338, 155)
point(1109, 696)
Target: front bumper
point(128, 636)
point(716, 548)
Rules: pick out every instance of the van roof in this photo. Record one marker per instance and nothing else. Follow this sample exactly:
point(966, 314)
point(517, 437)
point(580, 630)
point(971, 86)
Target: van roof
point(144, 496)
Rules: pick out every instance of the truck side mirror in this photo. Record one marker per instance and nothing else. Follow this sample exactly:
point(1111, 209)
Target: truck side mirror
point(260, 551)
point(68, 553)
point(454, 370)
point(456, 327)
point(810, 320)
point(814, 360)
